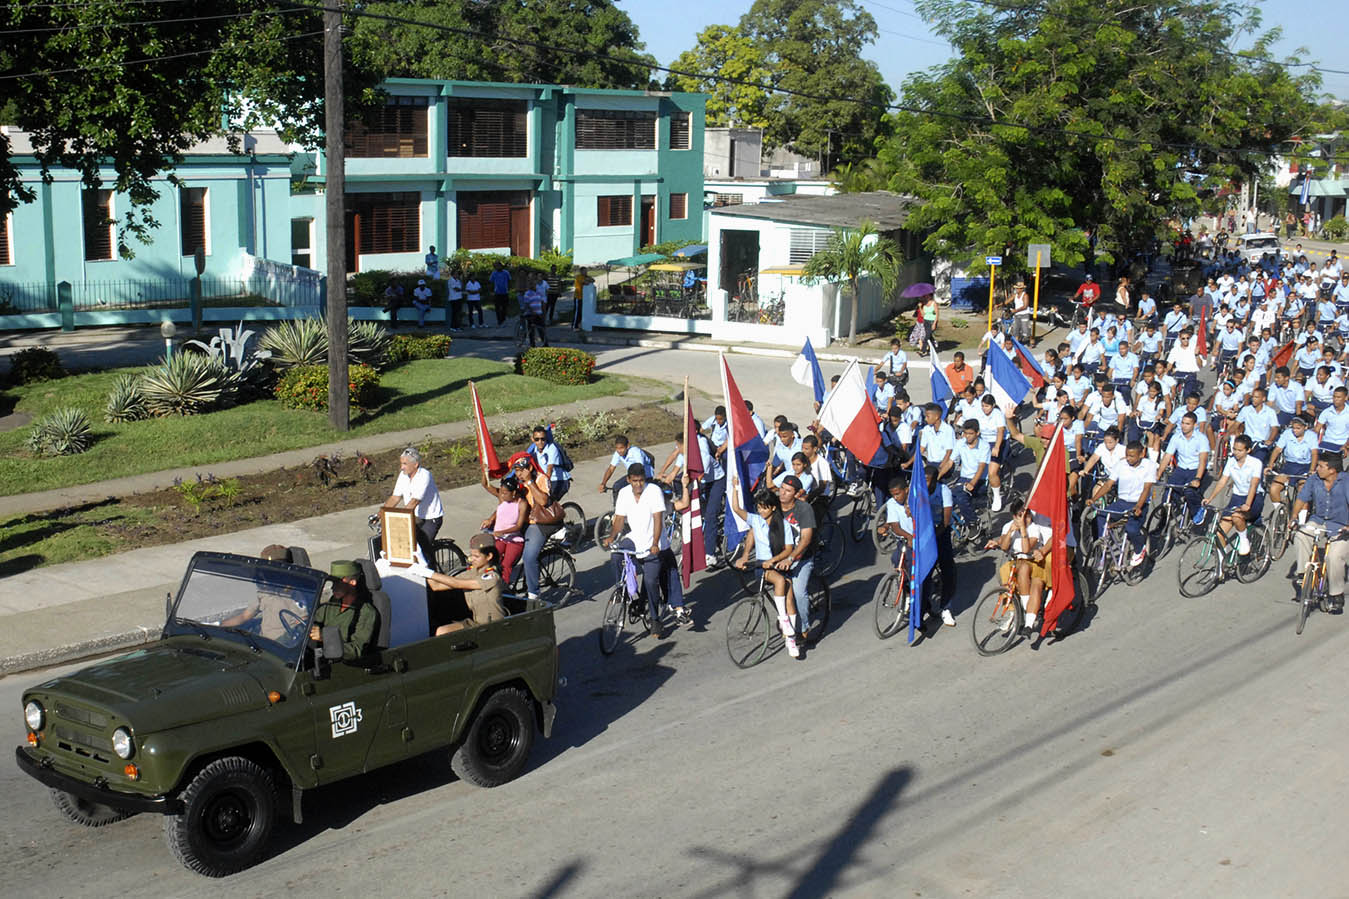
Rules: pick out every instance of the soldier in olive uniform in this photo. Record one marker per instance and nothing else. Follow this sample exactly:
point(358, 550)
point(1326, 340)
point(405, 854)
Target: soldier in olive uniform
point(349, 611)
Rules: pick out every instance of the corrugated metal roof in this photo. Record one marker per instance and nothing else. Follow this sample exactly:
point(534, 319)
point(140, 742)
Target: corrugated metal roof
point(887, 211)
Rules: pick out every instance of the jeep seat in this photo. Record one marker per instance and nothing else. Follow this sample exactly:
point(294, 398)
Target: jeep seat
point(299, 556)
point(380, 600)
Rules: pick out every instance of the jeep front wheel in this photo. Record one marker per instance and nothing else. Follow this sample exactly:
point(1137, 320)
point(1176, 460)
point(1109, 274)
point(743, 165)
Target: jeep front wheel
point(86, 811)
point(496, 746)
point(227, 815)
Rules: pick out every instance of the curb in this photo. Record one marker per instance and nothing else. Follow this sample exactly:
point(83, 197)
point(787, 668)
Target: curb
point(73, 652)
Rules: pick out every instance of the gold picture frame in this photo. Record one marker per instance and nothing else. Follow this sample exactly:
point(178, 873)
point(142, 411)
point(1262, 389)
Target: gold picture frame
point(398, 536)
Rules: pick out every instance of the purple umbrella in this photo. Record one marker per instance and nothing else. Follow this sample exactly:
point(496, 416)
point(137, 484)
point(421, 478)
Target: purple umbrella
point(921, 289)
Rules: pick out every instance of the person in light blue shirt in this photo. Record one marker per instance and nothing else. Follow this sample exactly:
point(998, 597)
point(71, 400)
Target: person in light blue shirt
point(938, 440)
point(1077, 338)
point(1332, 425)
point(1260, 422)
point(1188, 450)
point(548, 458)
point(1176, 321)
point(896, 362)
point(972, 459)
point(799, 466)
point(1325, 314)
point(885, 394)
point(1149, 343)
point(1092, 353)
point(894, 518)
point(1147, 308)
point(1286, 395)
point(1341, 292)
point(787, 445)
point(1123, 367)
point(758, 422)
point(625, 455)
point(1292, 456)
point(1078, 384)
point(717, 430)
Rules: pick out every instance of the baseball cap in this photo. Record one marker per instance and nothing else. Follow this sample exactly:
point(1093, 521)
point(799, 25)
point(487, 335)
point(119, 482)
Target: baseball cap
point(421, 282)
point(792, 481)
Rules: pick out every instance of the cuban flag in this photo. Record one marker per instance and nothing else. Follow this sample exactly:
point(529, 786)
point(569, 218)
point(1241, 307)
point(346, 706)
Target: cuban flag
point(806, 371)
point(746, 460)
point(1006, 382)
point(1029, 366)
point(1049, 497)
point(942, 394)
point(849, 415)
point(924, 537)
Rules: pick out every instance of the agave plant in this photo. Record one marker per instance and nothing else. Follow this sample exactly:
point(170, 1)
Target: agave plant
point(126, 402)
point(186, 384)
point(64, 432)
point(300, 342)
point(367, 343)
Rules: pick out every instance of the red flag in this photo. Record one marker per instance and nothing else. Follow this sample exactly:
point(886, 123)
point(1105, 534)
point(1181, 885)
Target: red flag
point(487, 454)
point(1049, 497)
point(691, 519)
point(1283, 355)
point(1201, 338)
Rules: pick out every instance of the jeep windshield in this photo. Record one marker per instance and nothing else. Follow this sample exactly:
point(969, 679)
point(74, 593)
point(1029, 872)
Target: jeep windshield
point(263, 605)
point(1262, 243)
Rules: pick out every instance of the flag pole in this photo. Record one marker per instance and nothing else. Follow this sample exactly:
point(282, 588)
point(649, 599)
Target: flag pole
point(1035, 316)
point(687, 449)
point(477, 427)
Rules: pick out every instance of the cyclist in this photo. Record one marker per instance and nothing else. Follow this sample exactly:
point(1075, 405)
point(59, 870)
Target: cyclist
point(787, 445)
point(1230, 339)
point(939, 440)
point(1308, 355)
point(992, 424)
point(1259, 422)
point(972, 455)
point(895, 364)
point(800, 563)
point(1123, 367)
point(1293, 455)
point(1176, 320)
point(800, 468)
point(1133, 480)
point(769, 539)
point(1108, 455)
point(1286, 396)
point(819, 469)
point(1185, 361)
point(642, 509)
point(1325, 499)
point(1104, 410)
point(1321, 391)
point(1087, 294)
point(1244, 472)
point(1332, 425)
point(1149, 345)
point(1191, 405)
point(625, 456)
point(1023, 535)
point(1189, 451)
point(1150, 413)
point(1092, 353)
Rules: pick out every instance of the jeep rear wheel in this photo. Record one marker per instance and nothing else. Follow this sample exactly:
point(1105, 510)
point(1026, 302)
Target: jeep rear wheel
point(496, 746)
point(86, 811)
point(227, 815)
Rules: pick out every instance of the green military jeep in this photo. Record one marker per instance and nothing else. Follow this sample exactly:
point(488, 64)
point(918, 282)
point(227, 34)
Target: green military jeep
point(233, 704)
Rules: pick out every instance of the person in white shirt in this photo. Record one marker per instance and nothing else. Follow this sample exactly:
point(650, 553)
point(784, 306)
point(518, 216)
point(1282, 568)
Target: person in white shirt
point(1243, 471)
point(454, 296)
point(1185, 361)
point(416, 489)
point(1024, 536)
point(1134, 478)
point(641, 507)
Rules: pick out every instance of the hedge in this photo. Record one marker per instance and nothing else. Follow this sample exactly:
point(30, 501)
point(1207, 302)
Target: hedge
point(561, 365)
point(406, 347)
point(367, 288)
point(35, 363)
point(306, 387)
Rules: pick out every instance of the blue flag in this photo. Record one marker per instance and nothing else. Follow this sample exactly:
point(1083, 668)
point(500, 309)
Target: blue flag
point(942, 394)
point(806, 371)
point(869, 381)
point(1005, 381)
point(924, 537)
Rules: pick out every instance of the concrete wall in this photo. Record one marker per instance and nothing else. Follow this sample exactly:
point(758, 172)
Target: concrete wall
point(732, 153)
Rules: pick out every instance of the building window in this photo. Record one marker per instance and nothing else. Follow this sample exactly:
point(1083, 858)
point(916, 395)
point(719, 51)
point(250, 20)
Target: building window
point(681, 130)
point(611, 212)
point(98, 225)
point(396, 129)
point(192, 219)
point(612, 129)
point(727, 199)
point(387, 223)
point(679, 206)
point(806, 242)
point(302, 242)
point(6, 251)
point(494, 220)
point(492, 128)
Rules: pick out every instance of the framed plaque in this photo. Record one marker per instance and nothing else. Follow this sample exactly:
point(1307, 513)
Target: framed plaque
point(398, 535)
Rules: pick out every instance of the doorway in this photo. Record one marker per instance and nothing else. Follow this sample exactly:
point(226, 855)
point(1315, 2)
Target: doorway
point(648, 229)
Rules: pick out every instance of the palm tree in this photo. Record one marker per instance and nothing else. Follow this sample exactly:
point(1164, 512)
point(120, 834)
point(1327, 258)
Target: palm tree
point(852, 253)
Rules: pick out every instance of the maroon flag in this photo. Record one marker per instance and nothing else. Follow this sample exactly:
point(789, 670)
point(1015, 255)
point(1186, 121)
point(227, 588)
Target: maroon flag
point(691, 520)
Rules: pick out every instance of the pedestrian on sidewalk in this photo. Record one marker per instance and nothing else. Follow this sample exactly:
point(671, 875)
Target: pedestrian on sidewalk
point(501, 289)
point(473, 298)
point(554, 291)
point(454, 298)
point(432, 265)
point(580, 285)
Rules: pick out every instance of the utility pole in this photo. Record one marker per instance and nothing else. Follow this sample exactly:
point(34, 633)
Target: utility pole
point(335, 201)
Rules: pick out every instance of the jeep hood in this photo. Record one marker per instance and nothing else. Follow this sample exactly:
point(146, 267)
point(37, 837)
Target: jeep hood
point(170, 684)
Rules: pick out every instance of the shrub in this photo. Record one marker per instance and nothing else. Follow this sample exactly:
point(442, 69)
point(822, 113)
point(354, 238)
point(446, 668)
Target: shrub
point(35, 364)
point(306, 387)
point(187, 384)
point(404, 348)
point(64, 432)
point(668, 247)
point(126, 400)
point(561, 365)
point(1337, 229)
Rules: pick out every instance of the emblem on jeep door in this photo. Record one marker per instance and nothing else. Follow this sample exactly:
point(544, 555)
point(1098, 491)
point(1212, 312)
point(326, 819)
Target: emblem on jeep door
point(346, 718)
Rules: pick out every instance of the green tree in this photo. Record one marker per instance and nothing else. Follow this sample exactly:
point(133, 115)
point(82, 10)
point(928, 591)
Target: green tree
point(726, 51)
point(850, 254)
point(814, 47)
point(1134, 111)
point(608, 48)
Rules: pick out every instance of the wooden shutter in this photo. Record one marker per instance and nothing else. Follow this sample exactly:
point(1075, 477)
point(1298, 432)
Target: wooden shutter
point(389, 223)
point(681, 137)
point(98, 234)
point(6, 257)
point(485, 218)
point(192, 218)
point(398, 129)
point(679, 206)
point(488, 128)
point(607, 129)
point(613, 211)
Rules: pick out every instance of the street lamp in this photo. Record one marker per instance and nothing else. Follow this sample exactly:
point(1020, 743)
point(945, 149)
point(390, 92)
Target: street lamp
point(167, 330)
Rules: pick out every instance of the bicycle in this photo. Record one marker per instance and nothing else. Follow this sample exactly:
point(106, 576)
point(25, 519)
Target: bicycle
point(862, 514)
point(1206, 560)
point(998, 617)
point(1278, 515)
point(752, 627)
point(557, 575)
point(890, 601)
point(1167, 521)
point(446, 556)
point(1110, 554)
point(830, 546)
point(1312, 590)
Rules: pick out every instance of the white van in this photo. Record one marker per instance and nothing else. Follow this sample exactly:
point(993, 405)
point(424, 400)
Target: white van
point(1253, 246)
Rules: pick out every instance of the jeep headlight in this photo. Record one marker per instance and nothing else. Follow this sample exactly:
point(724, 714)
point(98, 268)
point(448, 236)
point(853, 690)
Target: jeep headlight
point(33, 714)
point(122, 743)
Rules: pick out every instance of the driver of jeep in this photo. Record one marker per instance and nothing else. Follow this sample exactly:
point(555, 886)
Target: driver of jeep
point(275, 606)
point(350, 611)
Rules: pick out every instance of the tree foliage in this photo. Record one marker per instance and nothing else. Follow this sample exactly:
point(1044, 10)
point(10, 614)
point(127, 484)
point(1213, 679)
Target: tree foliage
point(726, 51)
point(608, 48)
point(131, 86)
point(1135, 110)
point(852, 253)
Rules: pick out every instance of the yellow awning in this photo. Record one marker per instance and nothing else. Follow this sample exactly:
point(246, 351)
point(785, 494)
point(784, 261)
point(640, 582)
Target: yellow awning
point(794, 271)
point(676, 266)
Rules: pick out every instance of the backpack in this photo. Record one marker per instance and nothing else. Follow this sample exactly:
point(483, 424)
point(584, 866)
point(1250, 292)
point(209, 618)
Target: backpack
point(564, 461)
point(648, 463)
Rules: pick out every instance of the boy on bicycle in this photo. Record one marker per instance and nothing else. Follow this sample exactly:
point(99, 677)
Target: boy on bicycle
point(1293, 456)
point(972, 456)
point(1024, 536)
point(1133, 480)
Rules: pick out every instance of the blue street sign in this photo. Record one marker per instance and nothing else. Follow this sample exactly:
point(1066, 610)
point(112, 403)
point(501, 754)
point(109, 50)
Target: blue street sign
point(993, 260)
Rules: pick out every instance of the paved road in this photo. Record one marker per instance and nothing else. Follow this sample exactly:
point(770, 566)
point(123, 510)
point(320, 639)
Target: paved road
point(1173, 747)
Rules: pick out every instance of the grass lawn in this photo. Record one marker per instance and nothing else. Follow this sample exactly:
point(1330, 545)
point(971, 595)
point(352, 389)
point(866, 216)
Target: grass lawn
point(417, 394)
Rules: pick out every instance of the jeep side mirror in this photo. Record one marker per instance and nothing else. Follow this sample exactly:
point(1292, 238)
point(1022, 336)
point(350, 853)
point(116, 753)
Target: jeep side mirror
point(168, 606)
point(332, 643)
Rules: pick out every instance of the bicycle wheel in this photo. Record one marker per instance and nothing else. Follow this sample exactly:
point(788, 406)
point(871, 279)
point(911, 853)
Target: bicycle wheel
point(557, 575)
point(860, 518)
point(447, 557)
point(1101, 566)
point(748, 628)
point(1252, 566)
point(676, 529)
point(1133, 574)
point(1158, 530)
point(1086, 529)
point(1070, 619)
point(884, 542)
point(1277, 536)
point(996, 621)
point(573, 525)
point(829, 546)
point(890, 603)
point(603, 526)
point(615, 616)
point(820, 607)
point(1306, 595)
point(1198, 571)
